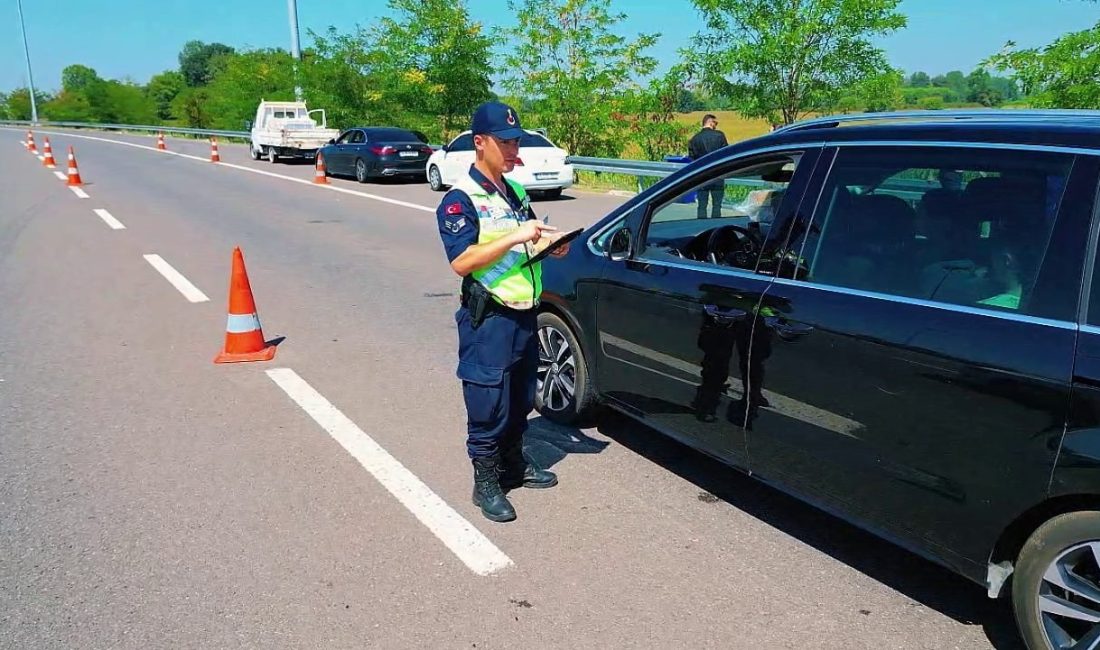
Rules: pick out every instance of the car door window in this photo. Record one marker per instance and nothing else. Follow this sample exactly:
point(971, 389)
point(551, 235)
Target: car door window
point(462, 143)
point(345, 138)
point(954, 225)
point(357, 137)
point(724, 218)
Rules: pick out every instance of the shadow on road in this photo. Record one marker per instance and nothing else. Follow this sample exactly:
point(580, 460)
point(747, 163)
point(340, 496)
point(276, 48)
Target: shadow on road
point(548, 443)
point(924, 582)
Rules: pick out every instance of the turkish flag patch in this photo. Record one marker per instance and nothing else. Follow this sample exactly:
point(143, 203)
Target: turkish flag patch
point(454, 208)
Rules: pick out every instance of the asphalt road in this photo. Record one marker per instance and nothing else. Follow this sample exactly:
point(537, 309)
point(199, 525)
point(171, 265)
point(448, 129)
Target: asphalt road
point(149, 498)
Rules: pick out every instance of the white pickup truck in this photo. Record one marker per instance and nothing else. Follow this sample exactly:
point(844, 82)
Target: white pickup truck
point(286, 130)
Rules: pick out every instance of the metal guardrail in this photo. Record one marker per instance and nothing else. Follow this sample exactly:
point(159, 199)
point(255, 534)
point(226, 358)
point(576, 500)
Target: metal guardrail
point(630, 167)
point(244, 135)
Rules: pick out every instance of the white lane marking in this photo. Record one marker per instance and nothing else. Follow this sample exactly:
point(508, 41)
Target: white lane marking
point(189, 291)
point(61, 176)
point(115, 224)
point(23, 143)
point(468, 543)
point(251, 170)
point(41, 158)
point(79, 192)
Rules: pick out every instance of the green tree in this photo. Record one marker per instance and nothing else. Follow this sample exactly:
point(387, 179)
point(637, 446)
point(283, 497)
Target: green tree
point(1064, 74)
point(196, 60)
point(69, 107)
point(980, 89)
point(79, 78)
point(790, 58)
point(919, 80)
point(567, 59)
point(240, 81)
point(648, 116)
point(17, 105)
point(162, 89)
point(337, 75)
point(190, 108)
point(436, 58)
point(881, 92)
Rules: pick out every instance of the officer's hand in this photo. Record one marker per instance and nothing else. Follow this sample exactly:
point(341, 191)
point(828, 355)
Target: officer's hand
point(531, 231)
point(561, 250)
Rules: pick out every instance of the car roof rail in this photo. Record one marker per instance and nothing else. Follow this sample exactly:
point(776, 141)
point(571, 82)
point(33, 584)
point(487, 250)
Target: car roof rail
point(989, 115)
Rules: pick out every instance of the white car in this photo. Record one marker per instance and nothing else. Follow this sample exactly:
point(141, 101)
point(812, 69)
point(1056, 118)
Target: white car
point(541, 166)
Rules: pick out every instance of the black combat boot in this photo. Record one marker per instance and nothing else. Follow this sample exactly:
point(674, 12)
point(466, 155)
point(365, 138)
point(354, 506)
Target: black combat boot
point(519, 470)
point(487, 493)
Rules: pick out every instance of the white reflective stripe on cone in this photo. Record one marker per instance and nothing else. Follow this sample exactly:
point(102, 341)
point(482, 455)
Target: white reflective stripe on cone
point(242, 323)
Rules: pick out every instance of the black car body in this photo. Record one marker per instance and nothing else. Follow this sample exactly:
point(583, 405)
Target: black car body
point(376, 152)
point(896, 320)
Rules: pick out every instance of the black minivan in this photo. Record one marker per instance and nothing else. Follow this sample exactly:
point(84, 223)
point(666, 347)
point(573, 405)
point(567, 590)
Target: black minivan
point(895, 317)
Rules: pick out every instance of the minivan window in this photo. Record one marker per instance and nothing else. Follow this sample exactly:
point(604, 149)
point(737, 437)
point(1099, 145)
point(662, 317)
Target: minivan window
point(722, 219)
point(954, 225)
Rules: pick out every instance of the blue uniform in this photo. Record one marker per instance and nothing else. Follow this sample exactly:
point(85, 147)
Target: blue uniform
point(497, 361)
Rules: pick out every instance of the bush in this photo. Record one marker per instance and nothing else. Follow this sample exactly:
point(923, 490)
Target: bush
point(931, 103)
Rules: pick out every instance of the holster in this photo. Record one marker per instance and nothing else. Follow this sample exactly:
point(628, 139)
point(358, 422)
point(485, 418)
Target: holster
point(477, 299)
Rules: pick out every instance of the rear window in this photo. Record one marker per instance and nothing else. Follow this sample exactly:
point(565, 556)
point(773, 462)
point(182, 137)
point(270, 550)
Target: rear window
point(534, 140)
point(391, 135)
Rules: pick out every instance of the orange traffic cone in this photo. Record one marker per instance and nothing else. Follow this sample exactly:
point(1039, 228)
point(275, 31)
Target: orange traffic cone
point(48, 161)
point(30, 143)
point(74, 173)
point(214, 157)
point(160, 142)
point(319, 175)
point(244, 339)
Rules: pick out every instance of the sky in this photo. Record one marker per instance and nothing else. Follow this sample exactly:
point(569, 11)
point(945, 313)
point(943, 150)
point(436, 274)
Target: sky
point(136, 39)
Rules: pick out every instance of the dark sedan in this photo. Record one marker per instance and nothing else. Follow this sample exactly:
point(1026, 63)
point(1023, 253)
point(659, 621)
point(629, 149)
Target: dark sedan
point(376, 152)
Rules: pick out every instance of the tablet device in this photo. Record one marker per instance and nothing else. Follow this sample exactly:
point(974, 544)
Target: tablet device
point(550, 248)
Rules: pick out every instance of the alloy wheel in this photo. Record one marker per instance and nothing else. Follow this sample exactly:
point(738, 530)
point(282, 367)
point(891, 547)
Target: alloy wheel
point(557, 374)
point(1069, 598)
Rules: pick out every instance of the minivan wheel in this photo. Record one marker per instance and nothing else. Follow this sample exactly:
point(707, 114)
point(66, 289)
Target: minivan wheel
point(435, 180)
point(563, 393)
point(1056, 586)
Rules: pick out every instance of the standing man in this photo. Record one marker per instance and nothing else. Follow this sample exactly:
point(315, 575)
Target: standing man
point(487, 225)
point(708, 139)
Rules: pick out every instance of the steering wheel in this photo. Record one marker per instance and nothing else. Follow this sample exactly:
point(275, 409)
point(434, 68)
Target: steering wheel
point(733, 246)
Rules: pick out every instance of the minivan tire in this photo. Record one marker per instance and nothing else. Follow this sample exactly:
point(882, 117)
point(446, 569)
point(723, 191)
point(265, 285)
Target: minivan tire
point(580, 408)
point(1046, 544)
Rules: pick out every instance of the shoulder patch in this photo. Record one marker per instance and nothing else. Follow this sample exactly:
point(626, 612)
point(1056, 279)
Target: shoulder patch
point(455, 225)
point(454, 208)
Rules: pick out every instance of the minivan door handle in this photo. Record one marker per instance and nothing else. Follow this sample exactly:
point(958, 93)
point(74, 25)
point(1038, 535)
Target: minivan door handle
point(786, 330)
point(732, 315)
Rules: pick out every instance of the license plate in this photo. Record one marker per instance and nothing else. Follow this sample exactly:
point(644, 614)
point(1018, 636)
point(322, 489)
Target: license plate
point(542, 176)
point(409, 154)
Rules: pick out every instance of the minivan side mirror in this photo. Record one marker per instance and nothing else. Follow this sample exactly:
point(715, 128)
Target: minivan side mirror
point(618, 249)
point(247, 125)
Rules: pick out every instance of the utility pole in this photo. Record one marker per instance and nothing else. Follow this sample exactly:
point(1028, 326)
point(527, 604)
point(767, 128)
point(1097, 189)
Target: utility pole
point(295, 51)
point(27, 53)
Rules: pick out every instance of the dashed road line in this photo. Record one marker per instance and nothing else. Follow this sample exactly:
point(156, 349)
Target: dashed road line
point(115, 224)
point(251, 170)
point(459, 535)
point(182, 284)
point(79, 192)
point(61, 176)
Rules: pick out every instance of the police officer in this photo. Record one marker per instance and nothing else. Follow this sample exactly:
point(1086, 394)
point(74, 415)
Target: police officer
point(487, 227)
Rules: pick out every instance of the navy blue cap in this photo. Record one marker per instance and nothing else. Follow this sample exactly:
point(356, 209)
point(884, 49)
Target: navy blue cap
point(497, 119)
